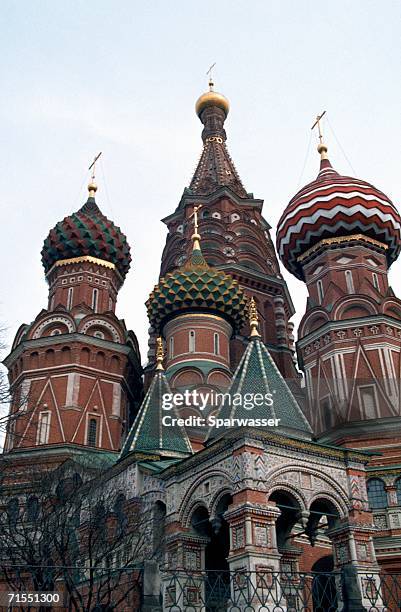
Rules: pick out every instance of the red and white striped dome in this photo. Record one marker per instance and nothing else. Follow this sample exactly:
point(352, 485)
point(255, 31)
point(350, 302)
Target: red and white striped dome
point(335, 206)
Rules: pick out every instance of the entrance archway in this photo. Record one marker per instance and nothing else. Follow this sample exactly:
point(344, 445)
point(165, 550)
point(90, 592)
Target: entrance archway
point(324, 592)
point(290, 509)
point(217, 578)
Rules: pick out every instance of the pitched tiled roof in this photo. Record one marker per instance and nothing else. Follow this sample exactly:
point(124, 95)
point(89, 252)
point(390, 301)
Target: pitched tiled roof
point(148, 434)
point(258, 374)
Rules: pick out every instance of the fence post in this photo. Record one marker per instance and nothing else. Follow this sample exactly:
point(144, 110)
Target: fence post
point(151, 587)
point(352, 595)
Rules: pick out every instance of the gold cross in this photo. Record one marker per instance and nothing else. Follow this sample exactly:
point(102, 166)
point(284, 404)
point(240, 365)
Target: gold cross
point(317, 123)
point(93, 166)
point(209, 72)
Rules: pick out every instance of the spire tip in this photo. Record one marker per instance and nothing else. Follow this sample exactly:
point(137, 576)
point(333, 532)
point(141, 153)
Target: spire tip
point(253, 318)
point(159, 354)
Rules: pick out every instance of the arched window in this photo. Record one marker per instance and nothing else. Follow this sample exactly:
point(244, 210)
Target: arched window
point(119, 511)
point(32, 508)
point(12, 510)
point(349, 281)
point(92, 432)
point(191, 341)
point(326, 411)
point(42, 436)
point(377, 495)
point(49, 356)
point(70, 297)
point(320, 291)
point(171, 348)
point(95, 299)
point(216, 344)
point(398, 487)
point(375, 281)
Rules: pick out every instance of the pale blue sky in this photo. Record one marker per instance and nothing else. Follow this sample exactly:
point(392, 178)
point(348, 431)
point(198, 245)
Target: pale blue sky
point(122, 77)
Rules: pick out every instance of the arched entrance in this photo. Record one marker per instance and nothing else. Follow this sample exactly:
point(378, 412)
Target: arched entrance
point(323, 517)
point(217, 579)
point(324, 593)
point(290, 511)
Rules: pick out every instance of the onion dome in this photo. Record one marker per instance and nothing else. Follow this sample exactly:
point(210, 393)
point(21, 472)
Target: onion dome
point(212, 98)
point(196, 286)
point(87, 232)
point(333, 207)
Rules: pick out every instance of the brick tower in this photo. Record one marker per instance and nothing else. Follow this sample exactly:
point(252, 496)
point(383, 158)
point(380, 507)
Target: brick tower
point(236, 237)
point(340, 235)
point(75, 371)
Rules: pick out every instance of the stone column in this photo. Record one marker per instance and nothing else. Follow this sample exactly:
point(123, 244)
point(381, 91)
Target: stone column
point(254, 559)
point(280, 320)
point(355, 559)
point(183, 574)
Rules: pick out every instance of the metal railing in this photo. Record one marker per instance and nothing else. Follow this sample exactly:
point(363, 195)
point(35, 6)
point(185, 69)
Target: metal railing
point(237, 591)
point(270, 591)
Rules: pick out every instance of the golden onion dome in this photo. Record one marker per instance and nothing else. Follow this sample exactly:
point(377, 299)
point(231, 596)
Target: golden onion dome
point(212, 98)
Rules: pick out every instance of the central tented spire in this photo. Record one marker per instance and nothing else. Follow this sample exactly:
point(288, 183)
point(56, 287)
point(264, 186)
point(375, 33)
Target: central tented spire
point(215, 168)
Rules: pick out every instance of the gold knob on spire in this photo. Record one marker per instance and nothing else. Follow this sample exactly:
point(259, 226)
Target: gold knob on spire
point(159, 354)
point(92, 188)
point(196, 235)
point(253, 318)
point(211, 97)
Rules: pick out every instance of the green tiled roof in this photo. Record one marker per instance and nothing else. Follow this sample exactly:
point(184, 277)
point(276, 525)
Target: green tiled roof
point(197, 286)
point(87, 232)
point(257, 373)
point(148, 434)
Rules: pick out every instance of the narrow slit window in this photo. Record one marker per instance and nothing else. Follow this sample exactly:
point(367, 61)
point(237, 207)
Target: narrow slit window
point(375, 281)
point(171, 347)
point(192, 341)
point(349, 281)
point(320, 291)
point(95, 299)
point(70, 298)
point(216, 344)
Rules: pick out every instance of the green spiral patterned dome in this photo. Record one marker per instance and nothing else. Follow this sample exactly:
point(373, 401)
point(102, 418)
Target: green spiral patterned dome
point(197, 286)
point(87, 232)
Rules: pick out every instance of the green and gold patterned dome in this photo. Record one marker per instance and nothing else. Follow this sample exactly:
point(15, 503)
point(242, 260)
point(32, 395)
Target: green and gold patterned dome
point(197, 286)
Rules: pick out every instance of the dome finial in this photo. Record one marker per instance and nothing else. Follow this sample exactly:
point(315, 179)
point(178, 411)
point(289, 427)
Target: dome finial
point(159, 354)
point(253, 318)
point(321, 147)
point(92, 187)
point(196, 236)
point(211, 98)
point(209, 72)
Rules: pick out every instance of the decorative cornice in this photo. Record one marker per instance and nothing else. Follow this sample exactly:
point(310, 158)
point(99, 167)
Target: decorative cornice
point(188, 199)
point(341, 240)
point(63, 339)
point(346, 324)
point(245, 436)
